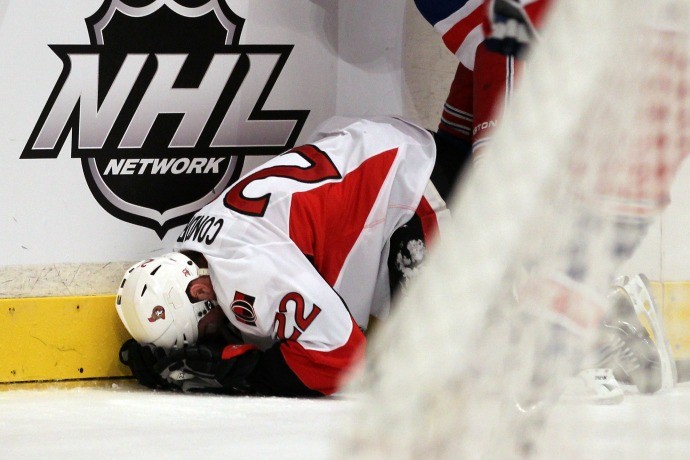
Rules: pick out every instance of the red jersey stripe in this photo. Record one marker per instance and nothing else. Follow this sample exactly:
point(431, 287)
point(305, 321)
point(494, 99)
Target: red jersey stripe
point(323, 371)
point(325, 222)
point(456, 35)
point(429, 221)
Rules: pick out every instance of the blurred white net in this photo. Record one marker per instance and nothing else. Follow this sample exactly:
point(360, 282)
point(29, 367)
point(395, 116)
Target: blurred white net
point(512, 305)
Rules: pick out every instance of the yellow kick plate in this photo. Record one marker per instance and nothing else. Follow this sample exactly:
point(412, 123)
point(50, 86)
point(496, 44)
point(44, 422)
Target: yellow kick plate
point(674, 296)
point(66, 338)
point(60, 338)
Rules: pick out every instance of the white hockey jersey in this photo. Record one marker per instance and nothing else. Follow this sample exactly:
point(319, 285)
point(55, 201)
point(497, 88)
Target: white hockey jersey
point(297, 248)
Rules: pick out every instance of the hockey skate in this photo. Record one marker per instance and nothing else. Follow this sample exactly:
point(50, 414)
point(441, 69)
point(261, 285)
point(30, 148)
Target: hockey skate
point(595, 386)
point(627, 347)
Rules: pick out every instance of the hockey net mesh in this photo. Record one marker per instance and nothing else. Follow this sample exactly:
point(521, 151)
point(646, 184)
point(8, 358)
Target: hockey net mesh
point(472, 361)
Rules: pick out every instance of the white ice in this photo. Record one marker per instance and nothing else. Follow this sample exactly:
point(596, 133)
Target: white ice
point(118, 421)
point(641, 427)
point(122, 420)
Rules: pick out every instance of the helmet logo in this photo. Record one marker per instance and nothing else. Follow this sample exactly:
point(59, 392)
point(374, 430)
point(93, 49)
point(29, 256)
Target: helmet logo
point(186, 272)
point(243, 308)
point(157, 313)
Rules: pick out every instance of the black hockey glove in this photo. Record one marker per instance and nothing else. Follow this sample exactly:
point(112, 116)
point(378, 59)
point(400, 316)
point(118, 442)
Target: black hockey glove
point(207, 368)
point(511, 30)
point(141, 360)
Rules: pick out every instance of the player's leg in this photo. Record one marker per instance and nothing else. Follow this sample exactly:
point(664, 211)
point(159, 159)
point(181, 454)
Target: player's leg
point(452, 157)
point(632, 202)
point(454, 135)
point(495, 76)
point(453, 20)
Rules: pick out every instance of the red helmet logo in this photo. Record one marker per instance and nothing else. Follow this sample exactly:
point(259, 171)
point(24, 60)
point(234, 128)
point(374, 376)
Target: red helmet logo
point(157, 313)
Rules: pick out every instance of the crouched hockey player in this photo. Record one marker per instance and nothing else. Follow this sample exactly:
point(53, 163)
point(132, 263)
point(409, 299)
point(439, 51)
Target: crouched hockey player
point(271, 285)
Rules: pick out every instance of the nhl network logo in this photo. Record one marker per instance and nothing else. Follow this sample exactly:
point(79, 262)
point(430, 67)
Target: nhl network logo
point(162, 106)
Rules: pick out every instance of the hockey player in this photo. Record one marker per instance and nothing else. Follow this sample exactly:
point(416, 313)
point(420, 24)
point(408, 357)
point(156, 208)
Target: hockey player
point(490, 38)
point(295, 256)
point(473, 30)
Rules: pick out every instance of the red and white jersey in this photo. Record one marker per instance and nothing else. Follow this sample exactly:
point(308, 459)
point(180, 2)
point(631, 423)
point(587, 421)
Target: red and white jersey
point(297, 248)
point(484, 79)
point(483, 84)
point(461, 30)
point(463, 23)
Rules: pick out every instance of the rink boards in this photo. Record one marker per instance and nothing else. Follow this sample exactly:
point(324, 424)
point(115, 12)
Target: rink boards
point(65, 338)
point(59, 338)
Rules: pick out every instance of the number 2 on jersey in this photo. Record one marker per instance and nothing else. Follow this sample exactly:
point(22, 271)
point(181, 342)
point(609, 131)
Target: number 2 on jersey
point(320, 168)
point(302, 322)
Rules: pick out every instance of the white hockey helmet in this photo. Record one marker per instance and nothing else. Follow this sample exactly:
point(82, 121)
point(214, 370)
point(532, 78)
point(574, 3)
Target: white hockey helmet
point(153, 305)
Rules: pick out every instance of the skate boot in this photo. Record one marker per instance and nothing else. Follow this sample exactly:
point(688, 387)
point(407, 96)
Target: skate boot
point(627, 347)
point(594, 386)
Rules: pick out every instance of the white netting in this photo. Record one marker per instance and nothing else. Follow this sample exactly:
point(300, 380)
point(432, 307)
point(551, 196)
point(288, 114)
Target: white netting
point(510, 304)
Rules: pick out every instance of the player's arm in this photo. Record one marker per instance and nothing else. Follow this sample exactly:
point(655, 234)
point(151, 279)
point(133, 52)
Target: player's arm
point(316, 342)
point(291, 367)
point(243, 369)
point(208, 367)
point(213, 368)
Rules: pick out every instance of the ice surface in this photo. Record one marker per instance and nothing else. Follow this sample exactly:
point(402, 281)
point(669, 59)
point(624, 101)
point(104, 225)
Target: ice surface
point(122, 420)
point(125, 421)
point(641, 427)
